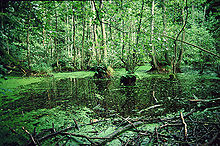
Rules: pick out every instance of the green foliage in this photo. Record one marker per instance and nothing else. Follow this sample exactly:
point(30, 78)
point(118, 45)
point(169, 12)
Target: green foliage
point(51, 32)
point(197, 58)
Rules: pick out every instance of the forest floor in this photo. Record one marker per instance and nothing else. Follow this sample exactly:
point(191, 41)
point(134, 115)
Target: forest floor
point(73, 109)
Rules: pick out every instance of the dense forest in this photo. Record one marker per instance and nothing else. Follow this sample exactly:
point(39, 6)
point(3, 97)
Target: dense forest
point(70, 36)
point(149, 61)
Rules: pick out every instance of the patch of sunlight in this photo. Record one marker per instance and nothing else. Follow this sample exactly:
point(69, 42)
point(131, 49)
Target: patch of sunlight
point(142, 75)
point(143, 68)
point(140, 71)
point(77, 74)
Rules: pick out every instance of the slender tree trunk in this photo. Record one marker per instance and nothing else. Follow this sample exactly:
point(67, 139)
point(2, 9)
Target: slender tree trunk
point(204, 13)
point(96, 43)
point(139, 24)
point(88, 38)
point(152, 38)
point(129, 57)
point(166, 56)
point(133, 40)
point(93, 54)
point(138, 31)
point(123, 40)
point(102, 49)
point(2, 18)
point(55, 39)
point(28, 49)
point(95, 36)
point(104, 40)
point(43, 34)
point(103, 35)
point(175, 61)
point(73, 37)
point(182, 45)
point(123, 34)
point(67, 35)
point(193, 13)
point(2, 24)
point(83, 38)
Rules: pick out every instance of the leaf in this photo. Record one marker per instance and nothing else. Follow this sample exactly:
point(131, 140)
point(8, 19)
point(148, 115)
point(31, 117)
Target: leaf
point(99, 96)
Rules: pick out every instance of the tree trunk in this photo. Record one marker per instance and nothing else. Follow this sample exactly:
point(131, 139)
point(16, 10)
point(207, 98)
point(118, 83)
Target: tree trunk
point(139, 24)
point(93, 53)
point(67, 34)
point(166, 55)
point(95, 37)
point(193, 13)
point(2, 18)
point(83, 38)
point(122, 33)
point(55, 39)
point(27, 41)
point(182, 45)
point(204, 13)
point(138, 30)
point(103, 35)
point(176, 63)
point(73, 37)
point(154, 61)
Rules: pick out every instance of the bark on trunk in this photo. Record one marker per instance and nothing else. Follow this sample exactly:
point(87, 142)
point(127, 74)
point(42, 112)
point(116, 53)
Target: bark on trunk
point(73, 49)
point(28, 49)
point(154, 60)
point(83, 38)
point(182, 45)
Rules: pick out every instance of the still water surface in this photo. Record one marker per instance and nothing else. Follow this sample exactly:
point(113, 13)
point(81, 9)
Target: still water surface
point(106, 95)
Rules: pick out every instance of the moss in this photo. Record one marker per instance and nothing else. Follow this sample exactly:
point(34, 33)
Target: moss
point(14, 82)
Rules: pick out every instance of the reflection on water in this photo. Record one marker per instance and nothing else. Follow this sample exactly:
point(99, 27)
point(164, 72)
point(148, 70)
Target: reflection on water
point(109, 95)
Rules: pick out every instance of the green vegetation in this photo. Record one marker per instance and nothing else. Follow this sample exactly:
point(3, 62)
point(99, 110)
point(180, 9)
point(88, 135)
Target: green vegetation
point(109, 72)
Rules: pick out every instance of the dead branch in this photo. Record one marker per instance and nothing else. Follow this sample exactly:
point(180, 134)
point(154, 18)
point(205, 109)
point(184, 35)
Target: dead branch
point(59, 140)
point(12, 130)
point(154, 96)
point(204, 100)
point(151, 107)
point(32, 138)
point(126, 119)
point(185, 125)
point(156, 132)
point(119, 131)
point(56, 133)
point(53, 127)
point(77, 125)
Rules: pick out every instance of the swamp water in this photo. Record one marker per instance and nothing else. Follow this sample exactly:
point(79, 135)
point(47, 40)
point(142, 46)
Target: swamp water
point(60, 100)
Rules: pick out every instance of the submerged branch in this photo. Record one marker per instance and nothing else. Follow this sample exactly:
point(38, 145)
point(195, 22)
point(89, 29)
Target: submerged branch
point(119, 131)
